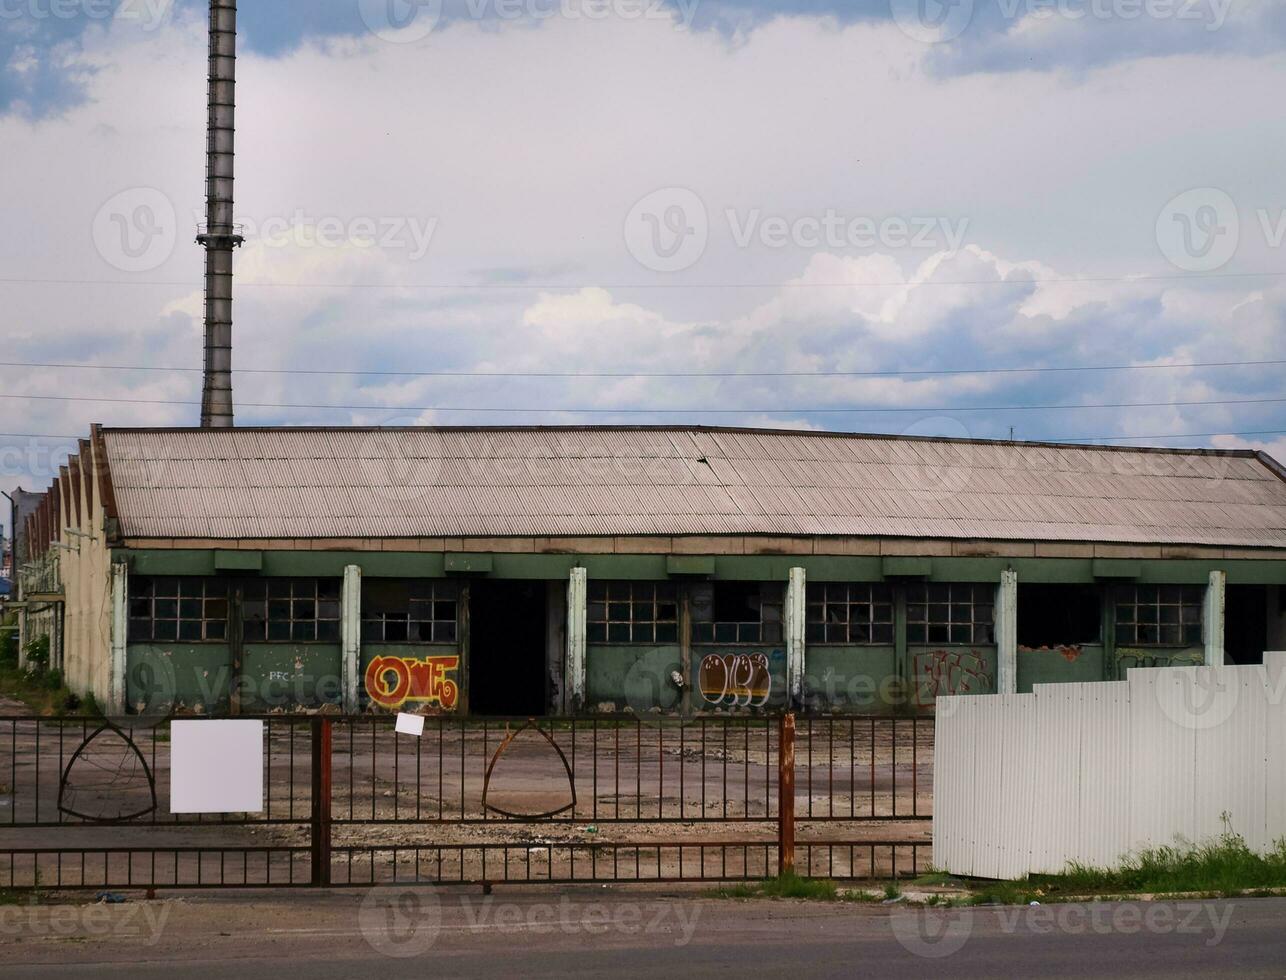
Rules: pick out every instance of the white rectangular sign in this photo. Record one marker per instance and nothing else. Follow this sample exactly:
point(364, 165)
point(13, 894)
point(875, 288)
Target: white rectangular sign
point(216, 766)
point(410, 724)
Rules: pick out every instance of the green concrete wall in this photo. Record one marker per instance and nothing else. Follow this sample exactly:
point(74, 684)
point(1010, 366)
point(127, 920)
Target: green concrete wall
point(290, 675)
point(770, 689)
point(633, 676)
point(160, 677)
point(1054, 666)
point(858, 679)
point(946, 669)
point(1127, 658)
point(416, 652)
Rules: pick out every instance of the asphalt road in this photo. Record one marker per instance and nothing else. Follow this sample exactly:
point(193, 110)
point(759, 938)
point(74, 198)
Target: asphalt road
point(388, 934)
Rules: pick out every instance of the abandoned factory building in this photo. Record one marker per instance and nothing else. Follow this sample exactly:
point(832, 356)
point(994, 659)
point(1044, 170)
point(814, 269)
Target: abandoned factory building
point(524, 571)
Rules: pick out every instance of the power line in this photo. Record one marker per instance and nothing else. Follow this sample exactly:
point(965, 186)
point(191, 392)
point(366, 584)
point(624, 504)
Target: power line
point(659, 411)
point(1168, 435)
point(511, 286)
point(654, 374)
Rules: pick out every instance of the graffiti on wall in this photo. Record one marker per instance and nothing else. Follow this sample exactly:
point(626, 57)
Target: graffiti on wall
point(393, 681)
point(736, 679)
point(942, 672)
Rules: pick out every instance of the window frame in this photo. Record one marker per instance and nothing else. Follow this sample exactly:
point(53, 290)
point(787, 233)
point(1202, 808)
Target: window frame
point(767, 630)
point(441, 592)
point(623, 625)
point(821, 597)
point(268, 592)
point(927, 628)
point(183, 588)
point(1189, 634)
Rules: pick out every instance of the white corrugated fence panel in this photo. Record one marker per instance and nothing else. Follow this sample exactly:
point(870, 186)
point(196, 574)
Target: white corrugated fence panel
point(1162, 756)
point(1056, 781)
point(1227, 709)
point(1274, 678)
point(1107, 785)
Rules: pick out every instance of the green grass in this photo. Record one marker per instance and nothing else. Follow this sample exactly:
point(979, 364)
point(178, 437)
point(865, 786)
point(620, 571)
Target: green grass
point(789, 885)
point(1224, 866)
point(1218, 868)
point(43, 692)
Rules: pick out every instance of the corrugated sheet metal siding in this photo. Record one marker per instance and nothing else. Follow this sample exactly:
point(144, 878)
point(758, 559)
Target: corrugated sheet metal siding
point(355, 482)
point(1026, 784)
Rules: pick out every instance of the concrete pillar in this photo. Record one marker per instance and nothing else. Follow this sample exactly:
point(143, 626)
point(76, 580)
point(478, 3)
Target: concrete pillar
point(1006, 621)
point(577, 592)
point(120, 638)
point(350, 631)
point(1212, 618)
point(794, 615)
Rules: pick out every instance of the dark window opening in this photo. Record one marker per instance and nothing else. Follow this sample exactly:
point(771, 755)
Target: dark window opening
point(1059, 615)
point(291, 610)
point(1245, 624)
point(409, 611)
point(951, 613)
point(737, 612)
point(1159, 615)
point(507, 641)
point(632, 612)
point(850, 614)
point(172, 609)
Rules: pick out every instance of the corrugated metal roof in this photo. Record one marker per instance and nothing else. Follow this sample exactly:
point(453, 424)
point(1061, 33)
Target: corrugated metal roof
point(474, 482)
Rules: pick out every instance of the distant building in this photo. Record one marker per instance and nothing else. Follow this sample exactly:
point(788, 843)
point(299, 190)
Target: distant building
point(524, 571)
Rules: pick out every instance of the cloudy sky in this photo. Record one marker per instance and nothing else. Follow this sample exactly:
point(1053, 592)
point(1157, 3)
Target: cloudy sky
point(862, 215)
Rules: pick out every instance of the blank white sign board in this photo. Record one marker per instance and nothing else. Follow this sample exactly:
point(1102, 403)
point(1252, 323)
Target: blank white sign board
point(410, 724)
point(216, 767)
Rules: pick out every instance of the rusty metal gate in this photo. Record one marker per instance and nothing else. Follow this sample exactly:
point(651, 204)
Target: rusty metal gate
point(349, 801)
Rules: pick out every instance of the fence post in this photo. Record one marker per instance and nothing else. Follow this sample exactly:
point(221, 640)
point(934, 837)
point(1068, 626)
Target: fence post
point(321, 802)
point(786, 794)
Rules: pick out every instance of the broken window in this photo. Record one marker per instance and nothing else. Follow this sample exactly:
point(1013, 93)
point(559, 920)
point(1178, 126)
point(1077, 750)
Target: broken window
point(1159, 615)
point(940, 612)
point(285, 610)
point(409, 611)
point(191, 610)
point(632, 612)
point(1059, 615)
point(850, 613)
point(737, 612)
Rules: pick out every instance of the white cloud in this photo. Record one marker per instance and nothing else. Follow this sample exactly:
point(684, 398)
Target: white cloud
point(528, 147)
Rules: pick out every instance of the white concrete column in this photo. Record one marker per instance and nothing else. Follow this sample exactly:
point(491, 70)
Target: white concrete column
point(795, 615)
point(1006, 621)
point(120, 637)
point(577, 593)
point(350, 632)
point(1212, 618)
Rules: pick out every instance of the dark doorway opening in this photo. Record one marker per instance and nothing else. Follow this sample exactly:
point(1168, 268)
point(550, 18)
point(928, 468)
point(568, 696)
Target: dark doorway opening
point(1245, 635)
point(1059, 615)
point(507, 648)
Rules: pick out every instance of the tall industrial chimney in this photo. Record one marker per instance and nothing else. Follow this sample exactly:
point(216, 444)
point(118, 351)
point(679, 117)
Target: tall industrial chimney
point(219, 236)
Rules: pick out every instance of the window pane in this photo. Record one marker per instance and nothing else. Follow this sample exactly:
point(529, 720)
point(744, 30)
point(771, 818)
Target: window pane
point(304, 632)
point(596, 632)
point(667, 633)
point(328, 631)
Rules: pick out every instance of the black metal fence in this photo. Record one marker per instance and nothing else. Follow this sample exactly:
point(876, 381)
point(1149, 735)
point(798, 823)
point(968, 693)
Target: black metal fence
point(349, 801)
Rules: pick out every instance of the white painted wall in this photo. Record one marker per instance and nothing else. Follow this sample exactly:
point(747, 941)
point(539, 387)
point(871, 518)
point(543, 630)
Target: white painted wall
point(1026, 783)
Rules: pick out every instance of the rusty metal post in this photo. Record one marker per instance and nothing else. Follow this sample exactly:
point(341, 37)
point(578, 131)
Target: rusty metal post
point(786, 794)
point(321, 801)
